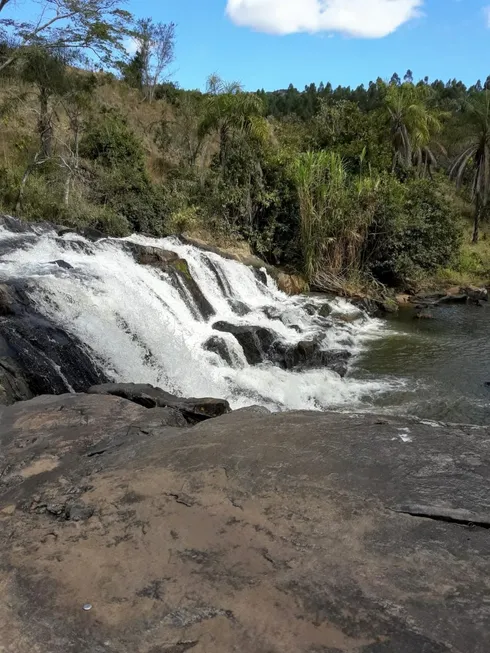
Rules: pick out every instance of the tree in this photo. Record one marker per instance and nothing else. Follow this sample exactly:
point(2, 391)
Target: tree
point(395, 79)
point(475, 158)
point(413, 124)
point(228, 108)
point(132, 71)
point(94, 26)
point(46, 72)
point(156, 52)
point(408, 77)
point(76, 102)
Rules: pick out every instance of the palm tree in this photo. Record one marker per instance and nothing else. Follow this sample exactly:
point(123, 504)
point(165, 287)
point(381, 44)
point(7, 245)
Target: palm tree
point(228, 108)
point(476, 156)
point(413, 125)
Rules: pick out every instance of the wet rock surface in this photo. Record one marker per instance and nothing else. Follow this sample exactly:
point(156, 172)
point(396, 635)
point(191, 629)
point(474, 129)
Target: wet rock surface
point(36, 356)
point(253, 532)
point(256, 341)
point(151, 397)
point(218, 346)
point(261, 344)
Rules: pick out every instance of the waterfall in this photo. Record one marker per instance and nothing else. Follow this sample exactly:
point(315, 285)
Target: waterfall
point(142, 324)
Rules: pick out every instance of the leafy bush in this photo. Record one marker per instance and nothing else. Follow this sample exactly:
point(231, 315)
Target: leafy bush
point(110, 142)
point(186, 219)
point(415, 231)
point(120, 180)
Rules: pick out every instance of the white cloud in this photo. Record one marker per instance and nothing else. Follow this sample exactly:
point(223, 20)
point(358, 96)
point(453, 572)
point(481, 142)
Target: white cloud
point(359, 18)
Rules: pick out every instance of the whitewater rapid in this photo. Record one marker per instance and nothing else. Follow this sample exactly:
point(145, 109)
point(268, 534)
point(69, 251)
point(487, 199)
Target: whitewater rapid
point(141, 327)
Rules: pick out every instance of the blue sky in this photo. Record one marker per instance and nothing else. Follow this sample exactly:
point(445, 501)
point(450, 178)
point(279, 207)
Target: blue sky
point(272, 43)
point(445, 38)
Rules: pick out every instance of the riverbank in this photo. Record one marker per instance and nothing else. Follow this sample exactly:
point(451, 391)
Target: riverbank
point(120, 532)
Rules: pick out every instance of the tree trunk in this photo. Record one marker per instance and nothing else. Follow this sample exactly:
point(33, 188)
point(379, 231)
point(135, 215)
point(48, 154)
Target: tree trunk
point(75, 124)
point(25, 177)
point(45, 125)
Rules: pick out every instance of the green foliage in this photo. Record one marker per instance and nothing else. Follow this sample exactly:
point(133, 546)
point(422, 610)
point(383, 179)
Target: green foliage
point(95, 26)
point(413, 124)
point(184, 220)
point(325, 181)
point(112, 144)
point(415, 231)
point(476, 155)
point(120, 180)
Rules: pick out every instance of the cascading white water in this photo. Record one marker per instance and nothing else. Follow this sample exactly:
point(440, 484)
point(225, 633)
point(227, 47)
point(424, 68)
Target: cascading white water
point(142, 328)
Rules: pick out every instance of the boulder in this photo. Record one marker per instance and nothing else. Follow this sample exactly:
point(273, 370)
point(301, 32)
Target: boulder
point(219, 346)
point(182, 276)
point(13, 385)
point(260, 275)
point(260, 345)
point(291, 284)
point(476, 294)
point(154, 256)
point(46, 359)
point(256, 341)
point(150, 397)
point(64, 265)
point(300, 532)
point(375, 307)
point(240, 308)
point(453, 299)
point(177, 267)
point(322, 310)
point(271, 312)
point(6, 302)
point(325, 310)
point(403, 299)
point(308, 354)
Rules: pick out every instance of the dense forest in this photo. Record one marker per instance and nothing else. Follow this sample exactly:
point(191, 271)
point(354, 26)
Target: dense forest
point(384, 184)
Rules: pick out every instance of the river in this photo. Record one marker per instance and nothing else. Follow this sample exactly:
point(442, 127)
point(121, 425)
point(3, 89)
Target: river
point(142, 324)
point(443, 363)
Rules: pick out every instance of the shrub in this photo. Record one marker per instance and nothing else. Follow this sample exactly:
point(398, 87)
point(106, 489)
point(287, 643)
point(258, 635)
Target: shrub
point(119, 177)
point(415, 231)
point(186, 219)
point(110, 142)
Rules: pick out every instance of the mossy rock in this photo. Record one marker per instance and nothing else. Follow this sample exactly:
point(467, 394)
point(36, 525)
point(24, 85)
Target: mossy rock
point(182, 266)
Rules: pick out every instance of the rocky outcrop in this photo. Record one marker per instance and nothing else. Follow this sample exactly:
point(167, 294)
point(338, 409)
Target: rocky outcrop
point(177, 267)
point(286, 533)
point(261, 344)
point(13, 385)
point(194, 410)
point(256, 341)
point(36, 356)
point(217, 345)
point(308, 354)
point(454, 295)
point(291, 284)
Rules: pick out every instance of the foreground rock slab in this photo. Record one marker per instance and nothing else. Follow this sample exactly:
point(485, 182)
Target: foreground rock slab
point(194, 410)
point(252, 532)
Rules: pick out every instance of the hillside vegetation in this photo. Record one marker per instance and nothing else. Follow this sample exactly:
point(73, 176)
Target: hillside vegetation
point(386, 184)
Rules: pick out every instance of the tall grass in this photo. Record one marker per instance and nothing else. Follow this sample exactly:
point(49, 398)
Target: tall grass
point(335, 212)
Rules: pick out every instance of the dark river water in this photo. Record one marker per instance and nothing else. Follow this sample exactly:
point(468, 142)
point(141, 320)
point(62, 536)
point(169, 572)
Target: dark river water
point(444, 364)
